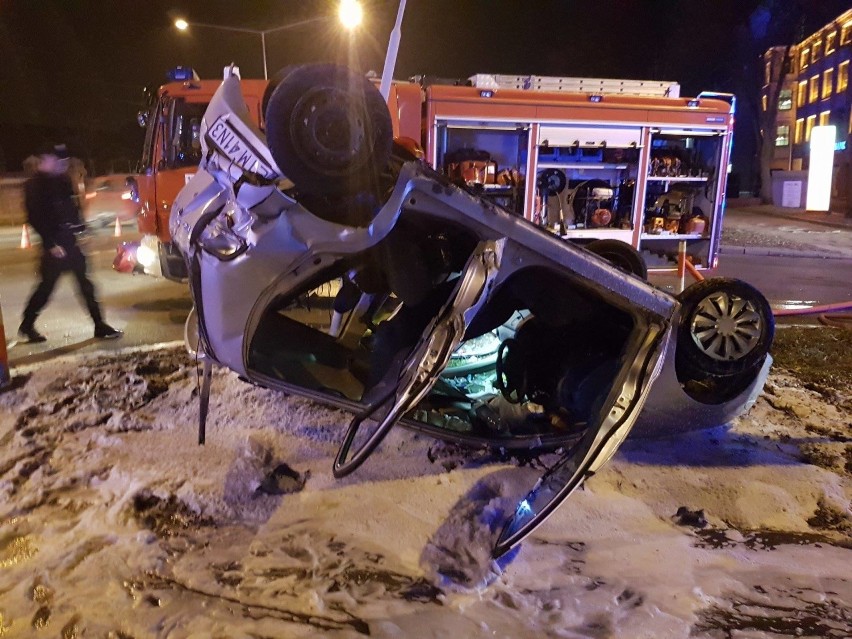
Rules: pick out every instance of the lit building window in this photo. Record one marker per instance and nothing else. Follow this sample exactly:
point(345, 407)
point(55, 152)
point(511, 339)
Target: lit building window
point(842, 76)
point(816, 50)
point(764, 102)
point(827, 83)
point(846, 33)
point(809, 126)
point(782, 135)
point(804, 56)
point(830, 41)
point(800, 129)
point(824, 117)
point(802, 93)
point(785, 100)
point(814, 89)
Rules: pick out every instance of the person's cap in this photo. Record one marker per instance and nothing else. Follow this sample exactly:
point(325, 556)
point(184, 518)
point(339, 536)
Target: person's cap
point(59, 150)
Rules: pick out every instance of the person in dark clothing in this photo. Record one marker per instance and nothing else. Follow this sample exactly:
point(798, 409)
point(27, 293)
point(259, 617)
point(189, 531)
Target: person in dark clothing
point(53, 212)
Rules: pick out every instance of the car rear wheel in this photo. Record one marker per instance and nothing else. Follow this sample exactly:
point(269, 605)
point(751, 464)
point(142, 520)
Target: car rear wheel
point(329, 130)
point(726, 328)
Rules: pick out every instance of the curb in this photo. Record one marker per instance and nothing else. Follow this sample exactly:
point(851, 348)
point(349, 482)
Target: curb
point(796, 218)
point(765, 251)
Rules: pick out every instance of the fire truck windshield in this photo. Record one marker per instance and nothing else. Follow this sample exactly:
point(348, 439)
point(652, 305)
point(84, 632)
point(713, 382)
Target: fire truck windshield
point(182, 141)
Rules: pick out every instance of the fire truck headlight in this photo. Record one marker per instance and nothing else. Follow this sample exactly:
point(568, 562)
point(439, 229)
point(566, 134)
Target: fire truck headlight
point(145, 256)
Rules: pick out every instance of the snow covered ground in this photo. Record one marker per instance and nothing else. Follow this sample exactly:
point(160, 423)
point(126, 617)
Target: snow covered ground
point(115, 523)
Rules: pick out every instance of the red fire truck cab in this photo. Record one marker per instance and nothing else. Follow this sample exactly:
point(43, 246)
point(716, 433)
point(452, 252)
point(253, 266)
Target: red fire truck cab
point(170, 157)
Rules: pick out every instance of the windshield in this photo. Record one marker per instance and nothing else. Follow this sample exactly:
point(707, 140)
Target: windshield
point(182, 139)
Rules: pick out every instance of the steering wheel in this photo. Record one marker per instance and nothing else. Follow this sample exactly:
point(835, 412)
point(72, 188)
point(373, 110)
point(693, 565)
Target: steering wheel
point(511, 373)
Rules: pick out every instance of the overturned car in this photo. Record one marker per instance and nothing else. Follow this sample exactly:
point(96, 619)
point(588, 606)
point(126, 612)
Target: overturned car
point(326, 259)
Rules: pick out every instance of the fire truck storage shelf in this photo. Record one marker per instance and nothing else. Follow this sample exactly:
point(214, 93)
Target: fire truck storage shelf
point(645, 169)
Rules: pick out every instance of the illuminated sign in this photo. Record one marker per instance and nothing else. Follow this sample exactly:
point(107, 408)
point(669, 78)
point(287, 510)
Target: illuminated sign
point(840, 146)
point(821, 165)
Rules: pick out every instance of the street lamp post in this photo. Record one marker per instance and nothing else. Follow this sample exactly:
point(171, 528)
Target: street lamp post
point(393, 49)
point(182, 25)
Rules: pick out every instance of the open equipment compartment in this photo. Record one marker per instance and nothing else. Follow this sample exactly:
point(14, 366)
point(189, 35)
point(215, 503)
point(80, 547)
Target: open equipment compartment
point(591, 161)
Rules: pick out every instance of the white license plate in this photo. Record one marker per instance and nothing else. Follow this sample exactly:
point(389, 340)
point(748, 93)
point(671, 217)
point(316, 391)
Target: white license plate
point(231, 143)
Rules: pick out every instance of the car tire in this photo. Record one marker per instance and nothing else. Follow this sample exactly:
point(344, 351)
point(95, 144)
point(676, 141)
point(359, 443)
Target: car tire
point(726, 328)
point(274, 81)
point(620, 254)
point(329, 130)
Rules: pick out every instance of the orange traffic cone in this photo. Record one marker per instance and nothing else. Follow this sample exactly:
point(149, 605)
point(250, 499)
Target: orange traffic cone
point(117, 232)
point(25, 237)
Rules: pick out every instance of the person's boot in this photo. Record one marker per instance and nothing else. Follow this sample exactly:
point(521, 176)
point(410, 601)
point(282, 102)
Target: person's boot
point(27, 329)
point(105, 331)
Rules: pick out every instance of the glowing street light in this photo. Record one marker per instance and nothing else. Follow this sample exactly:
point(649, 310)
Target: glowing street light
point(351, 13)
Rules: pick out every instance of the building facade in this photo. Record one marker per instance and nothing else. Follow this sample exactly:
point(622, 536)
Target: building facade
point(805, 85)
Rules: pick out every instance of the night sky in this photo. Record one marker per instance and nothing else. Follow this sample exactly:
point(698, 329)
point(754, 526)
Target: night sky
point(75, 69)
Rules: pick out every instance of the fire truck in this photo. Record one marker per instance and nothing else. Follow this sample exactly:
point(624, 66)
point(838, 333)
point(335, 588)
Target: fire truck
point(170, 157)
point(627, 162)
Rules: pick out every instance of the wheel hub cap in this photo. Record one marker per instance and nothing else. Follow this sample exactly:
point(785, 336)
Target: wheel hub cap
point(726, 327)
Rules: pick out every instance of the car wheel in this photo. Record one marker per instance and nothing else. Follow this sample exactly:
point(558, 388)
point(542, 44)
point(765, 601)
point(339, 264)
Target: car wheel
point(620, 254)
point(329, 130)
point(726, 328)
point(274, 81)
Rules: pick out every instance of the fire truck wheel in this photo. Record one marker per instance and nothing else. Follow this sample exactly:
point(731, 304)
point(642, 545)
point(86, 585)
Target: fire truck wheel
point(620, 254)
point(726, 328)
point(329, 130)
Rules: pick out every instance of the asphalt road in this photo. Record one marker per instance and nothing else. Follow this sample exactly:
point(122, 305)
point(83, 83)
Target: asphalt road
point(778, 257)
point(149, 311)
point(787, 282)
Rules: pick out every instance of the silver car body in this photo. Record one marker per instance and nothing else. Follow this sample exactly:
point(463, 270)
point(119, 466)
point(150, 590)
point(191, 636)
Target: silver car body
point(249, 244)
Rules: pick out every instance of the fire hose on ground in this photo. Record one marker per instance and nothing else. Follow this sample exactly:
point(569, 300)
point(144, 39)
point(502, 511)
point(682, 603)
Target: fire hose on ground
point(828, 314)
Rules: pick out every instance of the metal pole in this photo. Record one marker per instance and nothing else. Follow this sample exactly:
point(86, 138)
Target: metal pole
point(204, 399)
point(681, 265)
point(5, 376)
point(393, 49)
point(263, 45)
